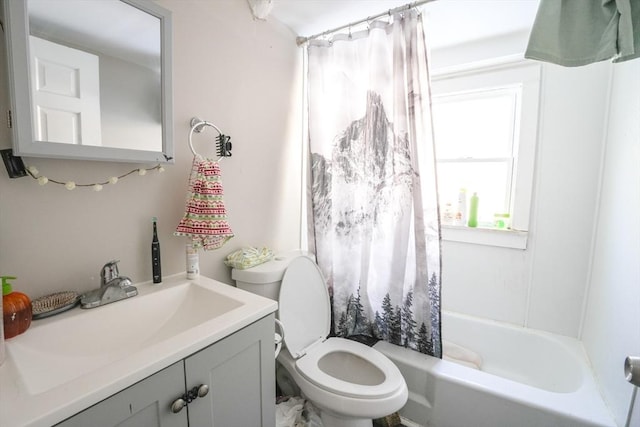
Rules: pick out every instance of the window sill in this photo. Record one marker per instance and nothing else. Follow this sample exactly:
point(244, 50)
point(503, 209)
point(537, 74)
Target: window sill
point(485, 236)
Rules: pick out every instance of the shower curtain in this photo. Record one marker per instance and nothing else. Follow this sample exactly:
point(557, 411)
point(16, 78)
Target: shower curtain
point(373, 221)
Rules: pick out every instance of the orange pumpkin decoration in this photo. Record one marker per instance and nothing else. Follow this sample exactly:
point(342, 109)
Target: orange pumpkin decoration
point(16, 310)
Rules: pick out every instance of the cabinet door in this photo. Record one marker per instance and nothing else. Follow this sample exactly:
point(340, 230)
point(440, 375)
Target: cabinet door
point(240, 373)
point(144, 404)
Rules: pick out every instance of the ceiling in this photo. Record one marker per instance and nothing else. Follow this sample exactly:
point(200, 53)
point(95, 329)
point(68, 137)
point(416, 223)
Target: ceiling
point(133, 34)
point(448, 22)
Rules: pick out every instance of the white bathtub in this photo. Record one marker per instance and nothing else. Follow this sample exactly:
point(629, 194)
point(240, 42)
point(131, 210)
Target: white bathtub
point(527, 378)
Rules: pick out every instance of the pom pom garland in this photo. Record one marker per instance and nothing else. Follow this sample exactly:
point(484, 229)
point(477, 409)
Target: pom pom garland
point(95, 186)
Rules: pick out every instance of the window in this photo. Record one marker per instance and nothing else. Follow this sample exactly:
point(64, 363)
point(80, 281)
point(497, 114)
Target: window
point(485, 126)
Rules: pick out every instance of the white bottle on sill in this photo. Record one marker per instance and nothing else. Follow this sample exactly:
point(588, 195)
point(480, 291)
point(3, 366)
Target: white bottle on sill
point(461, 210)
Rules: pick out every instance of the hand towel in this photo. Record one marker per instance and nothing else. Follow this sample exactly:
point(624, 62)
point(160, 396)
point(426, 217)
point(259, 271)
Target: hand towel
point(205, 218)
point(248, 257)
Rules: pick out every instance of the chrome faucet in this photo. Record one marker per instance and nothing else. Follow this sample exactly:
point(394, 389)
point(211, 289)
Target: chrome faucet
point(113, 287)
point(109, 272)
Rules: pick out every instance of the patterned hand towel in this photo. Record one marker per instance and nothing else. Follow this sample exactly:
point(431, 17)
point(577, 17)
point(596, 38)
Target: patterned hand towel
point(205, 218)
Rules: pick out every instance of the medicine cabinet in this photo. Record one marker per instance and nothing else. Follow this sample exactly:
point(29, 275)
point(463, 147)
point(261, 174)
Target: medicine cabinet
point(90, 79)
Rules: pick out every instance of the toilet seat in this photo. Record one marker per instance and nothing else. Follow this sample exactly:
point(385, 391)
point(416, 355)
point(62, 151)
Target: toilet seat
point(379, 377)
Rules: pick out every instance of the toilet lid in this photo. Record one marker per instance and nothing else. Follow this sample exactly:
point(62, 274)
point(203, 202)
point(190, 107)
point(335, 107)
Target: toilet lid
point(304, 307)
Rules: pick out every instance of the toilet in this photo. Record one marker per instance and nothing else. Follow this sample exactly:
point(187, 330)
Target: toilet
point(349, 382)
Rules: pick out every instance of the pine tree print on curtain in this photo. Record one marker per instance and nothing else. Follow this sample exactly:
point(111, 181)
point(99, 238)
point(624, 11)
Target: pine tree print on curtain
point(374, 226)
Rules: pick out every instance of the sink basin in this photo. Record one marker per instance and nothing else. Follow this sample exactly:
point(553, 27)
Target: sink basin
point(64, 348)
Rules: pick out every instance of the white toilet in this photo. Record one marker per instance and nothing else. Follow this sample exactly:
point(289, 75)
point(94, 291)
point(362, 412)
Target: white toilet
point(349, 382)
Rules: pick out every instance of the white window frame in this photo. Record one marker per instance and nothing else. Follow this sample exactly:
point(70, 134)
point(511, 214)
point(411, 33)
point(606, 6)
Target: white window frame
point(501, 73)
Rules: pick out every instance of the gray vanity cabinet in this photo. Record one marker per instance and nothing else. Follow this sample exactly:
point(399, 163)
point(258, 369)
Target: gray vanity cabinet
point(239, 371)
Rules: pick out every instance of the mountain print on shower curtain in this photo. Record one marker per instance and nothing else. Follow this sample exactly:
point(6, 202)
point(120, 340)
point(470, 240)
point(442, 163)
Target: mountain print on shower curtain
point(364, 225)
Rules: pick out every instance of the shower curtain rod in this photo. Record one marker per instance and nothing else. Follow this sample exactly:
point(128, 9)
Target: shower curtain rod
point(302, 40)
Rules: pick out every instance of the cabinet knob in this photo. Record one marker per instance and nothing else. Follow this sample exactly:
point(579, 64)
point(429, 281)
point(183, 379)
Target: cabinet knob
point(203, 390)
point(200, 391)
point(177, 405)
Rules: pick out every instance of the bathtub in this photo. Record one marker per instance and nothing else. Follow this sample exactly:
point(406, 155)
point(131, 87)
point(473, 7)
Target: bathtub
point(527, 378)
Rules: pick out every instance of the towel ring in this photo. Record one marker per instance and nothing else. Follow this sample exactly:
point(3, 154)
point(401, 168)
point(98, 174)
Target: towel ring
point(222, 141)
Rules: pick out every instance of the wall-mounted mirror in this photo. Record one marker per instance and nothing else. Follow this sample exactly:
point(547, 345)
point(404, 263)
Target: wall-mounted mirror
point(90, 79)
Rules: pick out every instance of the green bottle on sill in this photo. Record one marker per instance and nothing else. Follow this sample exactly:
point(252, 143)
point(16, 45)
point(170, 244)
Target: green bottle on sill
point(473, 211)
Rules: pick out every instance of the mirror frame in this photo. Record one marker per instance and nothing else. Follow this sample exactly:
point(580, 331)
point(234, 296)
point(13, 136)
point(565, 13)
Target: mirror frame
point(17, 35)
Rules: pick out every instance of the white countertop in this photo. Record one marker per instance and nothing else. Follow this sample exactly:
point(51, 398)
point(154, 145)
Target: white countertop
point(22, 405)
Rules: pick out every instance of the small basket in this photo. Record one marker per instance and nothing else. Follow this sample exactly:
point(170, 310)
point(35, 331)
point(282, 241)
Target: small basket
point(58, 302)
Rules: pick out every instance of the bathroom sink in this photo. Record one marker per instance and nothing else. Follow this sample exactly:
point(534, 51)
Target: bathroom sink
point(63, 348)
point(66, 363)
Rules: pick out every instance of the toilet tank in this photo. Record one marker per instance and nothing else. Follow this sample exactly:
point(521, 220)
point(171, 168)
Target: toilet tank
point(265, 279)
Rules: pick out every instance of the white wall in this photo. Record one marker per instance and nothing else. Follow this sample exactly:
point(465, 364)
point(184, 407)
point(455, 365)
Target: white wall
point(241, 74)
point(612, 318)
point(574, 105)
point(544, 286)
